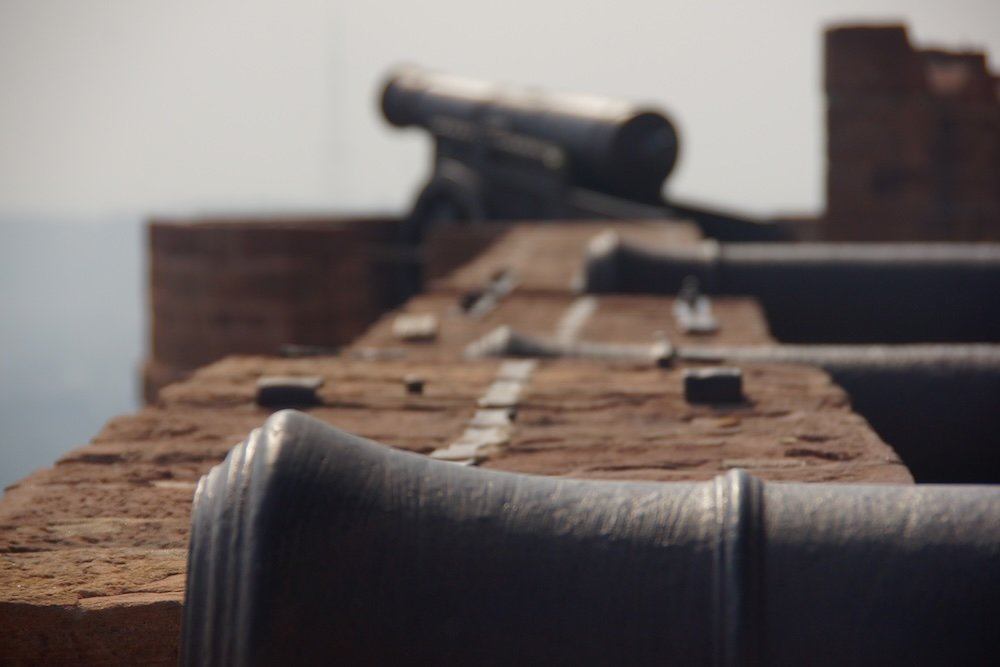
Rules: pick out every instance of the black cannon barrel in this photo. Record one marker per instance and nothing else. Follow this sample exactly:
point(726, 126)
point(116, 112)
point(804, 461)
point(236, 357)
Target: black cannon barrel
point(612, 146)
point(827, 292)
point(312, 546)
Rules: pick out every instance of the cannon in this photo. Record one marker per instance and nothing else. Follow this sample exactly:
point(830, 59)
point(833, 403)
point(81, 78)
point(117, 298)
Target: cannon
point(825, 292)
point(508, 153)
point(313, 546)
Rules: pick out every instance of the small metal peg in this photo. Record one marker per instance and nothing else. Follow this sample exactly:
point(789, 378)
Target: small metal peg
point(414, 384)
point(713, 385)
point(283, 391)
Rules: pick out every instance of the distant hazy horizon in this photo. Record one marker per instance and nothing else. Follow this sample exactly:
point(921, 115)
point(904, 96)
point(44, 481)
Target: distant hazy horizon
point(72, 335)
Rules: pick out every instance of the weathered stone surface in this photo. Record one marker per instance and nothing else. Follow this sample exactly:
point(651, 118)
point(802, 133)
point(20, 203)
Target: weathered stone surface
point(142, 629)
point(550, 257)
point(98, 605)
point(594, 421)
point(637, 319)
point(614, 319)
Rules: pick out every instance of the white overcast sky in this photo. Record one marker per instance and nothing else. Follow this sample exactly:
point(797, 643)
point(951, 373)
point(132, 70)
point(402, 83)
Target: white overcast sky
point(111, 107)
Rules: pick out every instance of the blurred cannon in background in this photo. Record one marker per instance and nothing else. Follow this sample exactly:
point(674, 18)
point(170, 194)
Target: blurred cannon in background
point(507, 153)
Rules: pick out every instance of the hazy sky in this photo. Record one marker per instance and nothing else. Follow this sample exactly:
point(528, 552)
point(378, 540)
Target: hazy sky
point(128, 106)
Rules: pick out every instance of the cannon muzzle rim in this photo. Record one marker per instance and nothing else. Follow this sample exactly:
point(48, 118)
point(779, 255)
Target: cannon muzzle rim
point(393, 108)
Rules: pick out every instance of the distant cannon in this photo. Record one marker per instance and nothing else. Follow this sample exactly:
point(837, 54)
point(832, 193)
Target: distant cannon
point(508, 153)
point(312, 546)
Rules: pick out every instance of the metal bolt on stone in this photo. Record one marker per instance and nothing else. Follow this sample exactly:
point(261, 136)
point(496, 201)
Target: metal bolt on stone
point(276, 391)
point(414, 384)
point(693, 310)
point(663, 352)
point(713, 385)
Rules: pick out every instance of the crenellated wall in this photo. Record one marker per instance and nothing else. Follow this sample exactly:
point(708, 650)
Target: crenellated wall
point(913, 140)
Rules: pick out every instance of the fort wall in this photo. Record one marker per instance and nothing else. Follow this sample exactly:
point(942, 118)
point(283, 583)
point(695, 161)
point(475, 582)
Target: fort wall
point(913, 139)
point(222, 286)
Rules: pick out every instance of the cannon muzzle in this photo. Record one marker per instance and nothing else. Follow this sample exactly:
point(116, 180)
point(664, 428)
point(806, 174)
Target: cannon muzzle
point(313, 546)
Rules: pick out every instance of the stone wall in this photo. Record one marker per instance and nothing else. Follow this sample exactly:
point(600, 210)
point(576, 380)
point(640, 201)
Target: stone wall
point(249, 286)
point(913, 140)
